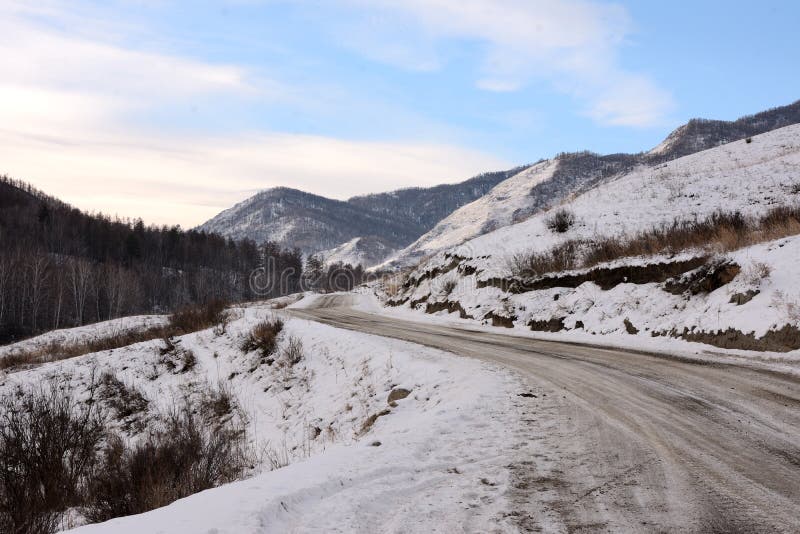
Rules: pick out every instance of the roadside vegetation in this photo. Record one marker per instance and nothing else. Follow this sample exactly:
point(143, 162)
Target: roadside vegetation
point(57, 456)
point(185, 321)
point(719, 232)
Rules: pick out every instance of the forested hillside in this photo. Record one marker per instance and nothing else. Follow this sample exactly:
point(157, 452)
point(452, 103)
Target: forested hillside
point(62, 267)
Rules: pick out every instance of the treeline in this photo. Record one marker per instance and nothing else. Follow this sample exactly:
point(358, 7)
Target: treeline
point(333, 277)
point(61, 267)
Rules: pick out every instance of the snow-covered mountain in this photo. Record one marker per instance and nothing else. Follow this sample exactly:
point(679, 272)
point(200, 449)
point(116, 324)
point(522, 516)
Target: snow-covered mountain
point(314, 224)
point(755, 305)
point(309, 222)
point(550, 182)
point(398, 228)
point(366, 251)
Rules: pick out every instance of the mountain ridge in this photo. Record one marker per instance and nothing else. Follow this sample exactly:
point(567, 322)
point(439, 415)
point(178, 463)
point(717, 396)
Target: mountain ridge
point(313, 223)
point(578, 172)
point(404, 219)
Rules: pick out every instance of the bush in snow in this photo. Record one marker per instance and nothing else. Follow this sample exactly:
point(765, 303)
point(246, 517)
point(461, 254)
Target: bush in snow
point(293, 352)
point(448, 286)
point(176, 461)
point(263, 337)
point(560, 221)
point(48, 444)
point(756, 272)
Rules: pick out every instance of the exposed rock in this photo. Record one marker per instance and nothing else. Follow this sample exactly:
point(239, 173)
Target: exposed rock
point(605, 277)
point(629, 328)
point(705, 279)
point(449, 306)
point(501, 320)
point(550, 325)
point(396, 395)
point(785, 339)
point(744, 298)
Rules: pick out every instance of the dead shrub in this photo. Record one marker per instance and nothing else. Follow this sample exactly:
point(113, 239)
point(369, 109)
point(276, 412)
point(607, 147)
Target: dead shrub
point(447, 287)
point(560, 221)
point(126, 401)
point(176, 359)
point(756, 272)
point(48, 444)
point(176, 461)
point(218, 403)
point(264, 337)
point(564, 257)
point(293, 352)
point(198, 317)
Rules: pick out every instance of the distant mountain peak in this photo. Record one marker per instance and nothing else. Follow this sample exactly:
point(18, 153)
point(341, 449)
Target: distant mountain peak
point(313, 223)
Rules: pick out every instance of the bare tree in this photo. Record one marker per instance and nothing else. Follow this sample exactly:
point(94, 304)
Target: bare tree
point(80, 278)
point(38, 266)
point(6, 268)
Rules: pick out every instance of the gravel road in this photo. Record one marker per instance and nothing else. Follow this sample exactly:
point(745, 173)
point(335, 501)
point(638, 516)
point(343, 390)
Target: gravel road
point(621, 441)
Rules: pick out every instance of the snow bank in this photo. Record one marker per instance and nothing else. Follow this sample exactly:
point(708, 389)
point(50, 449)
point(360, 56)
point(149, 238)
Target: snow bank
point(86, 333)
point(355, 462)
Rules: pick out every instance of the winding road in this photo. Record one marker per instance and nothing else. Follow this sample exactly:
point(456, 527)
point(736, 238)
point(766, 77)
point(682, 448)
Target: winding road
point(619, 441)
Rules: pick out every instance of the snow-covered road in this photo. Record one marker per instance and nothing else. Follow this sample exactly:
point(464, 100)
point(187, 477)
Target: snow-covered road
point(631, 442)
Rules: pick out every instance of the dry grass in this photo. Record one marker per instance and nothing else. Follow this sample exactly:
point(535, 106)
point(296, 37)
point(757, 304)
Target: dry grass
point(198, 317)
point(263, 337)
point(720, 232)
point(56, 351)
point(185, 321)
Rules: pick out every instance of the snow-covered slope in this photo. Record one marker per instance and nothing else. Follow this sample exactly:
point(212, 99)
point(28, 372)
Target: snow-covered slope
point(498, 208)
point(550, 182)
point(351, 453)
point(751, 177)
point(366, 251)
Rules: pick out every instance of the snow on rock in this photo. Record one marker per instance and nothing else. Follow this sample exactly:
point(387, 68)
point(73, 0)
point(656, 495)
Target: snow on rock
point(355, 462)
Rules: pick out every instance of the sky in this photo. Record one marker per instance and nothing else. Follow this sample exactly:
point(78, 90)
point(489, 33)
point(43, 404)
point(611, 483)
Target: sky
point(175, 110)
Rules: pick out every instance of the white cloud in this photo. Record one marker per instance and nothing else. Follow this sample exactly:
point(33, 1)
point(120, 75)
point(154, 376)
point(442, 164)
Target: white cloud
point(168, 180)
point(34, 55)
point(573, 43)
point(66, 109)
